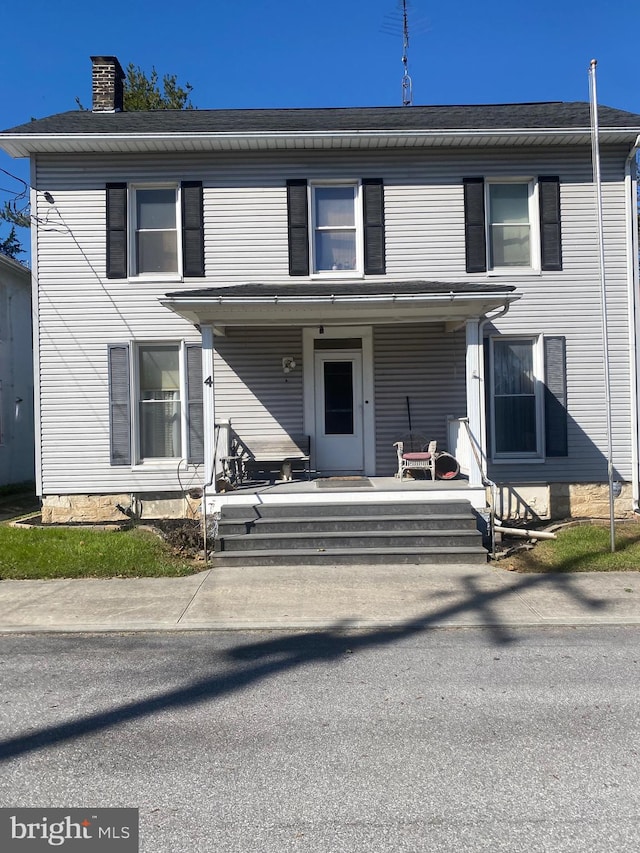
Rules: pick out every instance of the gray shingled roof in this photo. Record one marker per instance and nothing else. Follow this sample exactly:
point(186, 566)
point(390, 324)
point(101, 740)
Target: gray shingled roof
point(552, 114)
point(311, 289)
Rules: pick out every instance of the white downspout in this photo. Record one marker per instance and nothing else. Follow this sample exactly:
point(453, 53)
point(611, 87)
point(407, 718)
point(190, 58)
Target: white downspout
point(633, 287)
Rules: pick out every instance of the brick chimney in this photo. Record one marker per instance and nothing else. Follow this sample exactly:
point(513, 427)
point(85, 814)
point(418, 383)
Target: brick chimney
point(108, 79)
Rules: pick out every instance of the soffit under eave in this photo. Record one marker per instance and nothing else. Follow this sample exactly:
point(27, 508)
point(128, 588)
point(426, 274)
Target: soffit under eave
point(24, 146)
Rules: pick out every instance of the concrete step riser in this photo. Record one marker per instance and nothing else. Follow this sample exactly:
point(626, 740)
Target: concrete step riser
point(354, 558)
point(344, 510)
point(321, 543)
point(319, 525)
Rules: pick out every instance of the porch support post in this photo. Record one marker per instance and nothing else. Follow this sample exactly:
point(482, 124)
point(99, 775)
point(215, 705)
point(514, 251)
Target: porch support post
point(209, 409)
point(475, 399)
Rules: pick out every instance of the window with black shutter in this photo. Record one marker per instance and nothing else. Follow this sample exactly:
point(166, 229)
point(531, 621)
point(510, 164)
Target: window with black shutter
point(145, 230)
point(336, 229)
point(503, 231)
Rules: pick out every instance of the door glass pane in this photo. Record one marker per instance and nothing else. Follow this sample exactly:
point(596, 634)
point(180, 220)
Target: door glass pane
point(338, 398)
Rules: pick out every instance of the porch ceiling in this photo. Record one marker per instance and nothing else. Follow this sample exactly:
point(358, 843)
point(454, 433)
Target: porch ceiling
point(338, 302)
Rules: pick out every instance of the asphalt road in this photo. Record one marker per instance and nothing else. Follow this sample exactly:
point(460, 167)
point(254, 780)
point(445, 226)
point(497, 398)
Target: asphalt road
point(449, 740)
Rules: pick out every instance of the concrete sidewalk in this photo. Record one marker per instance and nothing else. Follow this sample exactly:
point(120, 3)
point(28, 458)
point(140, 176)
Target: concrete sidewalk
point(300, 597)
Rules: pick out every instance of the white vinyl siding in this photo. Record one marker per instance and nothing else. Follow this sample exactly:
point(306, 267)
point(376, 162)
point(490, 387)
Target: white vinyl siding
point(419, 374)
point(252, 389)
point(245, 225)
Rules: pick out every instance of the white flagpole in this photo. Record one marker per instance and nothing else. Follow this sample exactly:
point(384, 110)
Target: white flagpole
point(597, 185)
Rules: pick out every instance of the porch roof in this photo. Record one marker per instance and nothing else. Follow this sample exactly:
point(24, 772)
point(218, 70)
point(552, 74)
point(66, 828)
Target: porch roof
point(339, 302)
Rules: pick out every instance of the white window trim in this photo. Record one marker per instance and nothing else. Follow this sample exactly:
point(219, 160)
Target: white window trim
point(358, 272)
point(537, 456)
point(157, 462)
point(132, 219)
point(535, 267)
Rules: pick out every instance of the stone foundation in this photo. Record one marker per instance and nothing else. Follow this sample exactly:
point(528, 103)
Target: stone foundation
point(555, 501)
point(100, 509)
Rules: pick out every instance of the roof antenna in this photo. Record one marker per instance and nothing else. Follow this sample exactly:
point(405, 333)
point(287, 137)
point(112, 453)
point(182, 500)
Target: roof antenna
point(393, 24)
point(407, 85)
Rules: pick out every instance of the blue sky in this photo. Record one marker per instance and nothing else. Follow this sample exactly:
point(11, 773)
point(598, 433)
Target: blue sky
point(329, 53)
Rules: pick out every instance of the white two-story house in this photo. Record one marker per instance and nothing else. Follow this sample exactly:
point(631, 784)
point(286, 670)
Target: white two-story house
point(208, 276)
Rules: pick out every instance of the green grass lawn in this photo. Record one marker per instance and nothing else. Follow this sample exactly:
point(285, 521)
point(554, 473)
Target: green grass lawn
point(584, 548)
point(61, 552)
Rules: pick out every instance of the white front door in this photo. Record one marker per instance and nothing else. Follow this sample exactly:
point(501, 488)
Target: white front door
point(339, 431)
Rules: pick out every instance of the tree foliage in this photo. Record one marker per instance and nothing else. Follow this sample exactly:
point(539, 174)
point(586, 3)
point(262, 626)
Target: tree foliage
point(10, 246)
point(143, 92)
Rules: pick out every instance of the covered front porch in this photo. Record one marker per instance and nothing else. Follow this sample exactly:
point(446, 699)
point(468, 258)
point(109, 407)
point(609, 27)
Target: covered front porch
point(319, 488)
point(350, 368)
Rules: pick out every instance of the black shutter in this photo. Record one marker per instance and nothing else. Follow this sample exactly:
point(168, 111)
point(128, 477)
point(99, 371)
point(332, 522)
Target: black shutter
point(298, 224)
point(373, 214)
point(195, 410)
point(550, 232)
point(555, 396)
point(119, 404)
point(116, 230)
point(192, 229)
point(474, 225)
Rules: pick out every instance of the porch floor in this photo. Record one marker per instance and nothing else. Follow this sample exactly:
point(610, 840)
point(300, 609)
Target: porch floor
point(378, 489)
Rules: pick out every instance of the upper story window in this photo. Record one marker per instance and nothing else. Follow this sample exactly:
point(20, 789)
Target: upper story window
point(512, 225)
point(337, 229)
point(509, 225)
point(155, 231)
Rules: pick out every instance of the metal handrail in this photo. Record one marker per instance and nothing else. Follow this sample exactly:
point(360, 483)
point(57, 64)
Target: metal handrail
point(485, 482)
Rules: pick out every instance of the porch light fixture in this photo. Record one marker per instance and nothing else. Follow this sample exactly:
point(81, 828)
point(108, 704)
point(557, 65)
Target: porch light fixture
point(288, 364)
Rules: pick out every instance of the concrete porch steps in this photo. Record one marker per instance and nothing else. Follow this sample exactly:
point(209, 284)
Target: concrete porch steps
point(349, 533)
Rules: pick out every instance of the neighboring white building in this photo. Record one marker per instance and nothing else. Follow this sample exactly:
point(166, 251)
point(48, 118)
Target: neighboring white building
point(444, 256)
point(16, 374)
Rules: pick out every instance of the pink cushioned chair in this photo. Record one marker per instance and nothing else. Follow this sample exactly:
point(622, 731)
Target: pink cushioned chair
point(416, 453)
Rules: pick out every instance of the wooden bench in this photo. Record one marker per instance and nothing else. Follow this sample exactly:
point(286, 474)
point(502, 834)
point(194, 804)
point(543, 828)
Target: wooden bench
point(281, 452)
